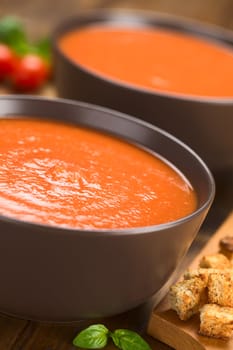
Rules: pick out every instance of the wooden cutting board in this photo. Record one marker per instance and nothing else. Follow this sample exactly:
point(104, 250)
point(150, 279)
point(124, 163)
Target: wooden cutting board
point(164, 323)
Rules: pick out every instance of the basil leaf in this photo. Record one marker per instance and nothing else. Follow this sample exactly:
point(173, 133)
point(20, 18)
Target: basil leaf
point(128, 340)
point(43, 48)
point(22, 48)
point(11, 31)
point(93, 337)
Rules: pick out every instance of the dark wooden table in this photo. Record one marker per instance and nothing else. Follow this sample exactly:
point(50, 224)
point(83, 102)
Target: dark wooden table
point(40, 16)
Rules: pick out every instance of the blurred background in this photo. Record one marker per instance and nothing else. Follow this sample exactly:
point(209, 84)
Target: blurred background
point(48, 12)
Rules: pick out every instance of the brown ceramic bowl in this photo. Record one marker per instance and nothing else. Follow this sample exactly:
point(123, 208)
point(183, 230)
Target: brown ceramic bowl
point(205, 124)
point(56, 274)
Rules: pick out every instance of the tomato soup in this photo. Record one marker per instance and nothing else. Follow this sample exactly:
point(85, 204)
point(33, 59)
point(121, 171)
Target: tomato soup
point(159, 60)
point(63, 175)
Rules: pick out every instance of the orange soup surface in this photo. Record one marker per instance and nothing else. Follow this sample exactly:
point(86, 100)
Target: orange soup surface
point(160, 60)
point(63, 175)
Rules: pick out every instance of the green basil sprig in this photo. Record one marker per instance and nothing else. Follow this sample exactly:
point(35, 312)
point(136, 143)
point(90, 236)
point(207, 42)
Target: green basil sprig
point(97, 336)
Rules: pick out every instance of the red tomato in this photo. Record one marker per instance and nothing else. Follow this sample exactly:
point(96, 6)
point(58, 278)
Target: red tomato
point(7, 61)
point(30, 73)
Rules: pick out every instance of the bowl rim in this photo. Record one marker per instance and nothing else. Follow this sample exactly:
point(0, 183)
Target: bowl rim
point(57, 230)
point(208, 32)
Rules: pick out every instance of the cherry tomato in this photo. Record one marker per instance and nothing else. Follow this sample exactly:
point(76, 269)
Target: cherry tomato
point(7, 61)
point(30, 73)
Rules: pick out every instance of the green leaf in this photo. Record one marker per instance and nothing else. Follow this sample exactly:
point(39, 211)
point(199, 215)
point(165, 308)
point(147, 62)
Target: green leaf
point(43, 48)
point(22, 48)
point(11, 31)
point(128, 340)
point(93, 337)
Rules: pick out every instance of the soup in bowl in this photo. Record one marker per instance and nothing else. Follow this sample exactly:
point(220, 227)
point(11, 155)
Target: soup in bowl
point(63, 175)
point(98, 209)
point(172, 73)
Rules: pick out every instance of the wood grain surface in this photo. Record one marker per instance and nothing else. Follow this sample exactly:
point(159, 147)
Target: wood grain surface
point(166, 326)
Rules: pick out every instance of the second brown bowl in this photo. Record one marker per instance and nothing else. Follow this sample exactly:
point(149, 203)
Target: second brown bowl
point(205, 124)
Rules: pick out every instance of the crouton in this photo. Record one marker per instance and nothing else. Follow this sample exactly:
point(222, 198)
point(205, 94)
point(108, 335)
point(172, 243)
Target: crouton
point(216, 321)
point(200, 273)
point(220, 288)
point(186, 297)
point(226, 247)
point(203, 273)
point(215, 261)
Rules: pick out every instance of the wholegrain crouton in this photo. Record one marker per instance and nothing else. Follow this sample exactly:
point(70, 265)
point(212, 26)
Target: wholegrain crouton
point(203, 273)
point(216, 321)
point(186, 297)
point(200, 273)
point(215, 261)
point(226, 247)
point(220, 288)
